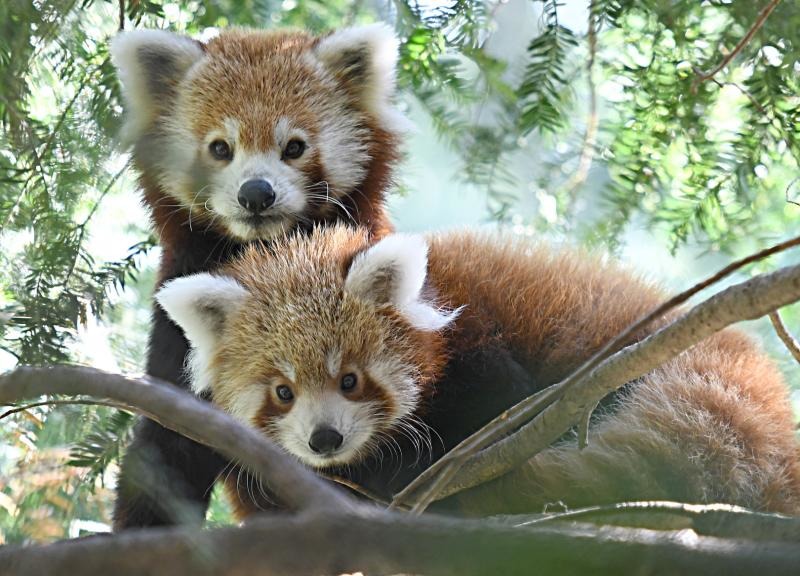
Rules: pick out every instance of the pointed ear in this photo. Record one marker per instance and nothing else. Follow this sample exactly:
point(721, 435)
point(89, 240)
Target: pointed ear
point(392, 273)
point(363, 59)
point(200, 305)
point(150, 65)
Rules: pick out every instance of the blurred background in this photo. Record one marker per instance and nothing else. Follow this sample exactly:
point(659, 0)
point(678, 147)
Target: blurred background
point(582, 122)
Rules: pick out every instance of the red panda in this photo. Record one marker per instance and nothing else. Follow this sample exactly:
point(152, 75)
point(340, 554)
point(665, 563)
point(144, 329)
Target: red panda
point(241, 139)
point(346, 351)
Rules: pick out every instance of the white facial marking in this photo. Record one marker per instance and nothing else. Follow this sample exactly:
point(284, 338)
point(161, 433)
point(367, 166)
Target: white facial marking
point(247, 402)
point(355, 421)
point(334, 362)
point(285, 131)
point(395, 378)
point(287, 369)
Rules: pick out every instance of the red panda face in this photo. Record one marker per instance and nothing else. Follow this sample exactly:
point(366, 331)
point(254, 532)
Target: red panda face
point(328, 368)
point(256, 132)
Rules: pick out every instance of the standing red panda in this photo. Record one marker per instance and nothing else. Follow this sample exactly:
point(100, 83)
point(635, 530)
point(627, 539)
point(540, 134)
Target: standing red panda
point(242, 139)
point(345, 372)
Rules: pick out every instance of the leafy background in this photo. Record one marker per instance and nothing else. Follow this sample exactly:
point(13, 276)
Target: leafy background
point(579, 121)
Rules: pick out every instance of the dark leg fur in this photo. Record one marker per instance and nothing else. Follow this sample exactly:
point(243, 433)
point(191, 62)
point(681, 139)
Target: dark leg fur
point(165, 478)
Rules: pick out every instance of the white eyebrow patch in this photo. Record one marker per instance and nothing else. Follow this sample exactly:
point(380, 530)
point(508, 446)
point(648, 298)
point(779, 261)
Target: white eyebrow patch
point(229, 132)
point(285, 131)
point(334, 362)
point(287, 369)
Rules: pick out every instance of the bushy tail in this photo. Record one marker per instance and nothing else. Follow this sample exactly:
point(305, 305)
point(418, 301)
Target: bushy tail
point(712, 425)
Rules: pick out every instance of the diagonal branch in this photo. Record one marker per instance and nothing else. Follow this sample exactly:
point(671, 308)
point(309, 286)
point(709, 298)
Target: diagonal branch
point(788, 340)
point(762, 17)
point(54, 402)
point(746, 301)
point(442, 471)
point(182, 412)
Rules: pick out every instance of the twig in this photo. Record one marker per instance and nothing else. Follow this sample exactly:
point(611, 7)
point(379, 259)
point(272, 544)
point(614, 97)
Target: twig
point(789, 187)
point(357, 488)
point(762, 17)
point(744, 92)
point(528, 408)
point(296, 486)
point(789, 341)
point(86, 402)
point(746, 301)
point(375, 542)
point(121, 15)
point(724, 520)
point(590, 136)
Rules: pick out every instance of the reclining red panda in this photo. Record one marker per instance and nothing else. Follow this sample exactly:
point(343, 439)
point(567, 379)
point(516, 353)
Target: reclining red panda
point(346, 352)
point(241, 139)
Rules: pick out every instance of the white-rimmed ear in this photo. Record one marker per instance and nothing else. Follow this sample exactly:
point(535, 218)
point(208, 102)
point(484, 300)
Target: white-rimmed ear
point(364, 58)
point(150, 64)
point(200, 305)
point(393, 272)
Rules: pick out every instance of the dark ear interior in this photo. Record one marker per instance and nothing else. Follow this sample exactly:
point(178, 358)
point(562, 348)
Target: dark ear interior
point(163, 69)
point(383, 285)
point(352, 67)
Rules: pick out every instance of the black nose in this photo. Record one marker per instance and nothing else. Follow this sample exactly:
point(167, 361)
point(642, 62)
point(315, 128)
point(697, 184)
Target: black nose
point(256, 195)
point(325, 440)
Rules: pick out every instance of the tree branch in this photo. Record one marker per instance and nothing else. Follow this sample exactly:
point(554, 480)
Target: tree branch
point(83, 402)
point(592, 121)
point(387, 543)
point(442, 471)
point(296, 486)
point(762, 17)
point(720, 520)
point(789, 341)
point(567, 401)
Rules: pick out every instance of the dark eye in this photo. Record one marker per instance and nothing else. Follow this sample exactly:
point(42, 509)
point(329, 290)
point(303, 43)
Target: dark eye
point(220, 150)
point(349, 382)
point(294, 149)
point(284, 393)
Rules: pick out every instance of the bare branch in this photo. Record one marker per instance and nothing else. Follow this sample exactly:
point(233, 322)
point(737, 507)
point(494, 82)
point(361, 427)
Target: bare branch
point(721, 520)
point(789, 341)
point(762, 17)
point(121, 4)
point(788, 188)
point(85, 402)
point(180, 411)
point(528, 408)
point(570, 399)
point(387, 543)
point(590, 136)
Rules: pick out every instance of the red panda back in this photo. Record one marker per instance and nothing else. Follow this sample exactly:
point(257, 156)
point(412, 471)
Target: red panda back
point(555, 306)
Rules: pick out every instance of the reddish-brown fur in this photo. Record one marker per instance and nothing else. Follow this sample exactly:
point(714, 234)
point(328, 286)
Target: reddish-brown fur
point(712, 425)
point(254, 77)
point(242, 64)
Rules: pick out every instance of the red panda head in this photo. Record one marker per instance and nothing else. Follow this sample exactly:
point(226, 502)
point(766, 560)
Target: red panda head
point(325, 344)
point(255, 132)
